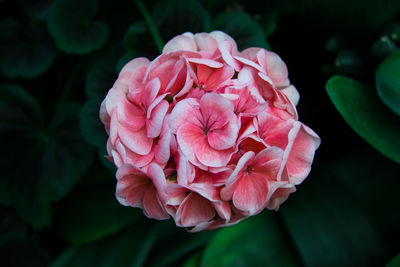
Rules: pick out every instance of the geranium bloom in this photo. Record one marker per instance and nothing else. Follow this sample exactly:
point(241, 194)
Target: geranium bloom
point(206, 134)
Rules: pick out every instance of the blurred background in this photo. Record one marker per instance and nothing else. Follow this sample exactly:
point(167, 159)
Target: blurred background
point(58, 59)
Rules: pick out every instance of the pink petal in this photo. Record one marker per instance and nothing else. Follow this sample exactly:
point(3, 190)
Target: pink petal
point(227, 52)
point(211, 157)
point(185, 111)
point(194, 144)
point(251, 193)
point(251, 143)
point(154, 124)
point(150, 92)
point(273, 130)
point(114, 124)
point(156, 101)
point(161, 68)
point(221, 37)
point(130, 115)
point(280, 196)
point(162, 150)
point(194, 210)
point(203, 73)
point(113, 98)
point(302, 145)
point(207, 62)
point(152, 206)
point(115, 158)
point(185, 171)
point(130, 157)
point(206, 190)
point(227, 191)
point(292, 93)
point(223, 209)
point(135, 64)
point(157, 176)
point(267, 155)
point(219, 77)
point(205, 41)
point(178, 76)
point(137, 141)
point(132, 185)
point(216, 110)
point(104, 116)
point(226, 136)
point(180, 42)
point(250, 63)
point(274, 66)
point(186, 87)
point(189, 134)
point(250, 53)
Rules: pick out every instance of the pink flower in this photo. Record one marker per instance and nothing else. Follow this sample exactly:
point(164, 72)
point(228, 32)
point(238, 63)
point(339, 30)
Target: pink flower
point(143, 190)
point(248, 186)
point(298, 141)
point(206, 130)
point(206, 134)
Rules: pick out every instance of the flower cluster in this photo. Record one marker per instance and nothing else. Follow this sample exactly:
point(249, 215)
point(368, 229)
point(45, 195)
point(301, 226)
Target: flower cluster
point(205, 133)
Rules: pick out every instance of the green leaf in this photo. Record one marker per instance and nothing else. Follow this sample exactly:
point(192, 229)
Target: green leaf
point(365, 113)
point(163, 254)
point(70, 23)
point(127, 248)
point(388, 81)
point(269, 23)
point(256, 241)
point(101, 74)
point(175, 17)
point(91, 127)
point(362, 171)
point(133, 39)
point(241, 27)
point(395, 262)
point(92, 212)
point(99, 79)
point(193, 260)
point(327, 225)
point(37, 9)
point(25, 50)
point(53, 160)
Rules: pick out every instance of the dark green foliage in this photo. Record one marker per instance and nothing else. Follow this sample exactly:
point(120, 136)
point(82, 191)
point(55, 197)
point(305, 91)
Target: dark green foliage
point(388, 82)
point(395, 262)
point(38, 9)
point(71, 25)
point(328, 226)
point(175, 17)
point(53, 157)
point(258, 241)
point(59, 58)
point(246, 31)
point(362, 109)
point(82, 221)
point(26, 50)
point(128, 248)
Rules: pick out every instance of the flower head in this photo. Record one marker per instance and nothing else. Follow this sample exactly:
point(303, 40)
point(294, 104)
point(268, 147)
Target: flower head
point(206, 134)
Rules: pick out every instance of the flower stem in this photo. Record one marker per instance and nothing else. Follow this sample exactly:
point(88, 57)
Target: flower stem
point(150, 23)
